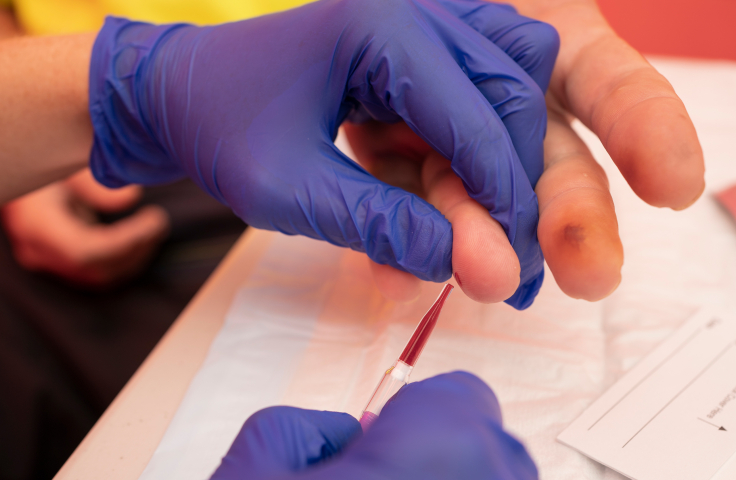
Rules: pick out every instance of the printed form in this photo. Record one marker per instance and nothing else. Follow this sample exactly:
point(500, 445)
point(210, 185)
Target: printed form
point(673, 416)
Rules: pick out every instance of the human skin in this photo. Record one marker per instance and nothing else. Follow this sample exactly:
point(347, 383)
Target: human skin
point(577, 229)
point(632, 108)
point(8, 26)
point(80, 248)
point(483, 262)
point(56, 229)
point(45, 128)
point(635, 112)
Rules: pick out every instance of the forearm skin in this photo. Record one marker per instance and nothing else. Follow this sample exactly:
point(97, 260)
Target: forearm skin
point(45, 129)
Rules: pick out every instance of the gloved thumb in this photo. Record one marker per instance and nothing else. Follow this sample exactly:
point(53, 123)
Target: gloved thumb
point(341, 203)
point(277, 440)
point(396, 228)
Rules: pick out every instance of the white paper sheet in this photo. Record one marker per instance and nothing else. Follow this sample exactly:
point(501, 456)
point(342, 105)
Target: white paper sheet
point(309, 328)
point(672, 416)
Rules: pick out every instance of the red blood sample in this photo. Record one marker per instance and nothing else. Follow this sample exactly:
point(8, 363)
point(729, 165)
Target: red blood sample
point(416, 344)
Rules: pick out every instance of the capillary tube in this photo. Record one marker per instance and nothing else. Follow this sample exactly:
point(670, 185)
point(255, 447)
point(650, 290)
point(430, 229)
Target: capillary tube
point(398, 375)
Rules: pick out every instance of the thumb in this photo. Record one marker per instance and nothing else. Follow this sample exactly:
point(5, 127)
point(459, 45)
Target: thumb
point(146, 226)
point(484, 262)
point(101, 198)
point(277, 440)
point(337, 200)
point(396, 228)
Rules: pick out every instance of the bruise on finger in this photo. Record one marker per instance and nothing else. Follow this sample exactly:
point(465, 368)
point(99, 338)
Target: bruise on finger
point(575, 235)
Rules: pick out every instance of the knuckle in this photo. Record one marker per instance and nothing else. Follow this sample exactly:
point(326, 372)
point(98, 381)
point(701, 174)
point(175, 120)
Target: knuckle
point(525, 96)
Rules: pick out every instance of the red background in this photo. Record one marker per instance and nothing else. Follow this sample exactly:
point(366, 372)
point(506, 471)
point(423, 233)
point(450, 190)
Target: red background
point(704, 29)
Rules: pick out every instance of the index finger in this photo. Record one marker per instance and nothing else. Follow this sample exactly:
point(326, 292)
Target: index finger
point(632, 108)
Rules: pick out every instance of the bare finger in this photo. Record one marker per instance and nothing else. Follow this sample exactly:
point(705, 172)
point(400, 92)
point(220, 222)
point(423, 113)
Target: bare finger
point(577, 229)
point(483, 261)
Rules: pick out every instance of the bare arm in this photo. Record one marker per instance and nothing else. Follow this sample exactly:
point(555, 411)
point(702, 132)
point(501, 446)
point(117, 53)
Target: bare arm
point(45, 129)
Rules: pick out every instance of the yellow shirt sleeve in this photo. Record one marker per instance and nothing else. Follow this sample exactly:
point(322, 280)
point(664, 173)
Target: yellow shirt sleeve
point(70, 16)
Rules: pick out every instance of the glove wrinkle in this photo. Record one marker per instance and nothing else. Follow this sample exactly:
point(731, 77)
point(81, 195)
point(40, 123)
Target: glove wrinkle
point(246, 109)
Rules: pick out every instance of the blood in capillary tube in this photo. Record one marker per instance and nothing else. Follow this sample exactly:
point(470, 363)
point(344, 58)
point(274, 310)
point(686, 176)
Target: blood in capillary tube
point(416, 344)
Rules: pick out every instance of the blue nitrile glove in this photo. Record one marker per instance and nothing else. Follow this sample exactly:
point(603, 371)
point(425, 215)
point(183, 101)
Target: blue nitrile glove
point(250, 110)
point(447, 426)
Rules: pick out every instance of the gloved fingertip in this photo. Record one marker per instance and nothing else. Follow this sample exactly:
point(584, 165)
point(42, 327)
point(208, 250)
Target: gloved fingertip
point(337, 431)
point(338, 427)
point(526, 293)
point(459, 392)
point(459, 383)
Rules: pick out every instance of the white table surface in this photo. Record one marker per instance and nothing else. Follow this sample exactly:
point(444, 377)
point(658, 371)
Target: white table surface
point(123, 440)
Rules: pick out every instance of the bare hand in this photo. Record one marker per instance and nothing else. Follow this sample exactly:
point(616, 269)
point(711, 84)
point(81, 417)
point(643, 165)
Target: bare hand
point(55, 229)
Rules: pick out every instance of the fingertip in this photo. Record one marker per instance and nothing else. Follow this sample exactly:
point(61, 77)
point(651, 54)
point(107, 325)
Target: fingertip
point(394, 284)
point(149, 222)
point(694, 199)
point(482, 257)
point(579, 237)
point(143, 229)
point(483, 260)
point(157, 216)
point(100, 197)
point(656, 147)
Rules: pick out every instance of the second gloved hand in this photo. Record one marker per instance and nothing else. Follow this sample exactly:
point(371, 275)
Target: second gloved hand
point(447, 426)
point(250, 110)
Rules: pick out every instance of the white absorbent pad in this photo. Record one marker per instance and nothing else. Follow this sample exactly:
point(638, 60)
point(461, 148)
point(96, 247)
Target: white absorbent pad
point(308, 327)
point(673, 415)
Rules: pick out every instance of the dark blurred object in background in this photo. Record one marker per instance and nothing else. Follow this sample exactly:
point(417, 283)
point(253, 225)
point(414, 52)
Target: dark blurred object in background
point(66, 352)
point(681, 28)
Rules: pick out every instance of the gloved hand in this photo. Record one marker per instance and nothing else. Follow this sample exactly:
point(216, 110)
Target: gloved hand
point(447, 426)
point(250, 110)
